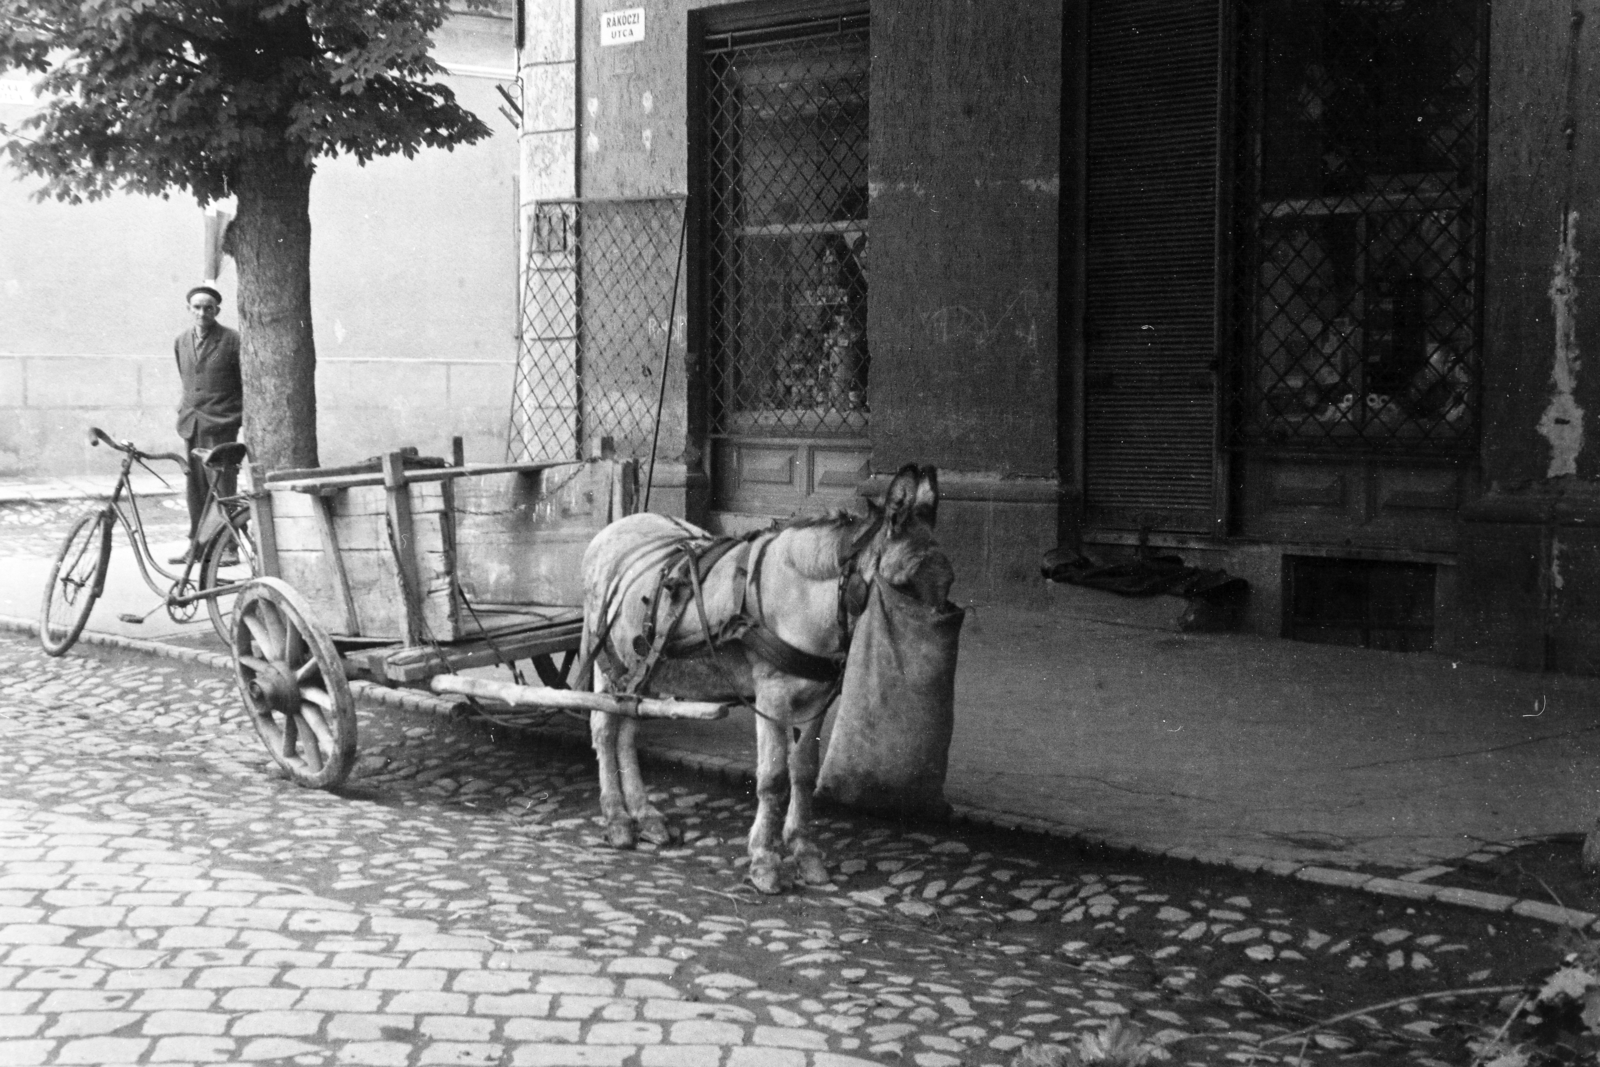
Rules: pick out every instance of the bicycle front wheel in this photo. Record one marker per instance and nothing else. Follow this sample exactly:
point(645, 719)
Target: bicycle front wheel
point(228, 558)
point(76, 580)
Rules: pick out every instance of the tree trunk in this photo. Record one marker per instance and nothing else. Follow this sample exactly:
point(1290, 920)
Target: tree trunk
point(271, 243)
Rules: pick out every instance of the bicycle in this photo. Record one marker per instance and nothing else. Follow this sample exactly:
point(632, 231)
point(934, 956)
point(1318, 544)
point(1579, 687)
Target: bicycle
point(78, 577)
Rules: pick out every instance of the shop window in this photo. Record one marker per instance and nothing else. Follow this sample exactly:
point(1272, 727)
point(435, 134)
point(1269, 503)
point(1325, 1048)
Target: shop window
point(1360, 208)
point(786, 208)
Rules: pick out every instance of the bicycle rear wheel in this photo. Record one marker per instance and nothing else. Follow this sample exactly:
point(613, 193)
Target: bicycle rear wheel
point(218, 569)
point(76, 580)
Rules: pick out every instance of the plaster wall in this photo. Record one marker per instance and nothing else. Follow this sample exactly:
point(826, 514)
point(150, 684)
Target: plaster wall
point(1529, 565)
point(965, 191)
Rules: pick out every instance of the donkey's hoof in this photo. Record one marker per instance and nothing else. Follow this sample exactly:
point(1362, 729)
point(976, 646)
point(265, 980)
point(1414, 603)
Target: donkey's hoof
point(621, 835)
point(657, 831)
point(764, 876)
point(811, 869)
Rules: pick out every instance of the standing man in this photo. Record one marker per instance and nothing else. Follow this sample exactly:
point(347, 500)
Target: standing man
point(213, 397)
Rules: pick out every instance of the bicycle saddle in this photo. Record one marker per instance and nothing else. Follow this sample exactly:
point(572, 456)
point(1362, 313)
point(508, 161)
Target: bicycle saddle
point(223, 456)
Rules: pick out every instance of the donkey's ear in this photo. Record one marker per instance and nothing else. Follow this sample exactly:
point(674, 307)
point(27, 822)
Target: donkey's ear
point(926, 506)
point(901, 498)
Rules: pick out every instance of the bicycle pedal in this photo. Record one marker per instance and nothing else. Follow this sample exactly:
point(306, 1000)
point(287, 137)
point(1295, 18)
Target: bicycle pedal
point(129, 617)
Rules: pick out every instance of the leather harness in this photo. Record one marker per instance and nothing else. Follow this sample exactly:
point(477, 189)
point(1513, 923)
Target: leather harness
point(679, 583)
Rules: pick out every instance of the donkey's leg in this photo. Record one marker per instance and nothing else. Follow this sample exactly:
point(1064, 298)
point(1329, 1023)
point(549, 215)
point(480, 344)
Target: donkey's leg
point(803, 761)
point(772, 780)
point(652, 824)
point(603, 731)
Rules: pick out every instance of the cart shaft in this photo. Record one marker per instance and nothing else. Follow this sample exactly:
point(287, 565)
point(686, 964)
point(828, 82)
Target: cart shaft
point(576, 700)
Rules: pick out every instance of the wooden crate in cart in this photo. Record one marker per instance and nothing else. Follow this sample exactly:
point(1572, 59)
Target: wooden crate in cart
point(408, 569)
point(406, 559)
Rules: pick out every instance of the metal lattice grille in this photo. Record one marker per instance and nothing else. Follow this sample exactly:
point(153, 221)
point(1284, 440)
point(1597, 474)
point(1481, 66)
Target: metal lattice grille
point(1361, 204)
point(787, 195)
point(598, 304)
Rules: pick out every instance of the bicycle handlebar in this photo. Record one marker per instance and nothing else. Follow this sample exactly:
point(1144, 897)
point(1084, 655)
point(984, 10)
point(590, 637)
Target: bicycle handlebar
point(97, 436)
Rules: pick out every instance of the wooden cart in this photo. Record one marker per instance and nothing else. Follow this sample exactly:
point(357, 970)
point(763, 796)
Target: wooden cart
point(408, 570)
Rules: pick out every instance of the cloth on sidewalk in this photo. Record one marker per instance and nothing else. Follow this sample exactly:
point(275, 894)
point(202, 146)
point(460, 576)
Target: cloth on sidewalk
point(1148, 574)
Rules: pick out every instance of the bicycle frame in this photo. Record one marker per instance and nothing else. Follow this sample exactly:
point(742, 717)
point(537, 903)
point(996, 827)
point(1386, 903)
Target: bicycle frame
point(133, 528)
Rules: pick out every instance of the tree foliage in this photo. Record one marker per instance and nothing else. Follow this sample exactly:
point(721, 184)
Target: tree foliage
point(150, 96)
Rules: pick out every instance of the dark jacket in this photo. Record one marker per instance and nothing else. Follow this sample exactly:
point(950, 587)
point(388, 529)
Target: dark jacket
point(213, 395)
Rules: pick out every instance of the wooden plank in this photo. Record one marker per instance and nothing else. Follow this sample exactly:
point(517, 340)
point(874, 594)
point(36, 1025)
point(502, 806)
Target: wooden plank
point(360, 523)
point(426, 474)
point(510, 535)
point(262, 521)
point(545, 697)
point(374, 583)
point(624, 489)
point(361, 500)
point(334, 560)
point(357, 533)
point(415, 664)
point(521, 539)
point(403, 542)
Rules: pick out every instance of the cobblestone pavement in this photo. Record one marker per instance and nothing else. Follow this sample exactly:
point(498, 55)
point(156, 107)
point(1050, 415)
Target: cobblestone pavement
point(167, 897)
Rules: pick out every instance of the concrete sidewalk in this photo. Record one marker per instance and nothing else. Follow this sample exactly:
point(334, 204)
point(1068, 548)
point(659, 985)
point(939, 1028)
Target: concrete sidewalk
point(1090, 716)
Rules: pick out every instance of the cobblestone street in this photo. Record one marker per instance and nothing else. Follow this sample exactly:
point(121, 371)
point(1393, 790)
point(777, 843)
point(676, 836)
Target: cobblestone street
point(166, 897)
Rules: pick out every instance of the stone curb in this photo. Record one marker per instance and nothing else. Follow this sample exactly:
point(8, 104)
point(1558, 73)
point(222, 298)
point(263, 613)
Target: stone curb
point(364, 691)
point(741, 772)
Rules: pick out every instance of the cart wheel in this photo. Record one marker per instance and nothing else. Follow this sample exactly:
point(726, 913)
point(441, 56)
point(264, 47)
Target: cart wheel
point(76, 580)
point(293, 684)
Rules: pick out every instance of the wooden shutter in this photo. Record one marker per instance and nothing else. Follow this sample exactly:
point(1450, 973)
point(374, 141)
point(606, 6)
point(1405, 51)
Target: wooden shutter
point(1151, 264)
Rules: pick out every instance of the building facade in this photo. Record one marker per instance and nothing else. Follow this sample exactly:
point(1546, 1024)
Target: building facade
point(1288, 287)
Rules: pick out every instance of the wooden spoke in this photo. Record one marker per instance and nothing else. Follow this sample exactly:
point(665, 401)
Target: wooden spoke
point(293, 683)
point(289, 735)
point(255, 663)
point(262, 635)
point(310, 753)
point(313, 718)
point(272, 619)
point(271, 735)
point(293, 645)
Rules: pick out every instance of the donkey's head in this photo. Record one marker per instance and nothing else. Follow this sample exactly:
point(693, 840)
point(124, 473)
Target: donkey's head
point(902, 550)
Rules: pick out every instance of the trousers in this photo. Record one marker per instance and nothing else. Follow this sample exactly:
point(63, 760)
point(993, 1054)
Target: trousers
point(196, 483)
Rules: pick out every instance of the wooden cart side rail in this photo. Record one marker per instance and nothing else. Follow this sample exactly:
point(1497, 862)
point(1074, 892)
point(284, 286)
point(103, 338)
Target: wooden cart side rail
point(334, 483)
point(539, 696)
point(402, 541)
point(261, 528)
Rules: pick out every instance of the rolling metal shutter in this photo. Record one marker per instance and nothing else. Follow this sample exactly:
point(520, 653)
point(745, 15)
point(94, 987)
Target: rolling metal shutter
point(1151, 259)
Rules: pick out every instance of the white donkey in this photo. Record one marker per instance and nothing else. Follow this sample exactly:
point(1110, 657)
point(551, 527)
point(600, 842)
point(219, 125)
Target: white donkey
point(778, 608)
